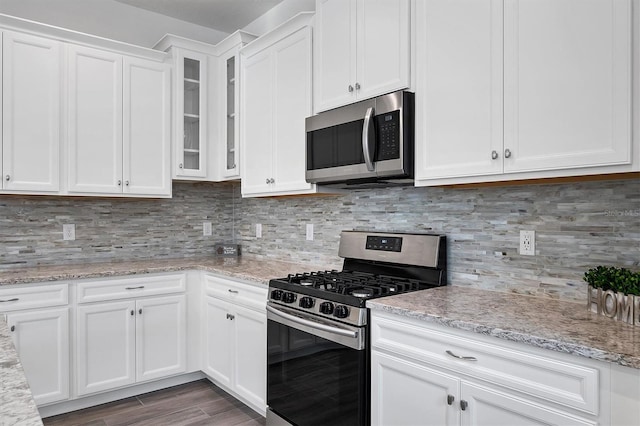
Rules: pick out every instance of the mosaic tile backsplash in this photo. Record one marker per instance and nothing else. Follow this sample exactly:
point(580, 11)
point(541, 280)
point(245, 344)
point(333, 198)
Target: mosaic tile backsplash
point(578, 226)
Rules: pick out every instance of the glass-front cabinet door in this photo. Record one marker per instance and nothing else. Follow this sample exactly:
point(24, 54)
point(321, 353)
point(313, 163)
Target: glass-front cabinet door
point(191, 132)
point(231, 153)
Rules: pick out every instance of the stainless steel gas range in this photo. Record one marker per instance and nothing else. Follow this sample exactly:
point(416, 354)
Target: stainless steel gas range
point(318, 340)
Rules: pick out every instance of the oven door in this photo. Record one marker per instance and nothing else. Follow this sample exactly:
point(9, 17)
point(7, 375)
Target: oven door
point(318, 371)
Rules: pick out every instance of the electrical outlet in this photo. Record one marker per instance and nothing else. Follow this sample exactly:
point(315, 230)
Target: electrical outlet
point(69, 232)
point(258, 230)
point(528, 243)
point(206, 229)
point(309, 231)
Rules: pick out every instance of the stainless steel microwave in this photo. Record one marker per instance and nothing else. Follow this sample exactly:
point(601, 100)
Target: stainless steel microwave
point(367, 142)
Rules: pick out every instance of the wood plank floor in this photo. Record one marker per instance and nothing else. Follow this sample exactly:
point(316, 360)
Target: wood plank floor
point(192, 404)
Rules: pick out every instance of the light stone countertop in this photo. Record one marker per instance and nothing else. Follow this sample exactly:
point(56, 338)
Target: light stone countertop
point(246, 268)
point(16, 402)
point(544, 323)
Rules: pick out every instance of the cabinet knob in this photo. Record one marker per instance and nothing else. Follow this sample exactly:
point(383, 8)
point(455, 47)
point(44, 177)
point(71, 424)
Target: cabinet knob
point(180, 165)
point(126, 182)
point(132, 312)
point(7, 178)
point(357, 86)
point(140, 311)
point(507, 153)
point(13, 328)
point(268, 181)
point(273, 180)
point(463, 405)
point(450, 399)
point(350, 88)
point(119, 183)
point(230, 317)
point(494, 155)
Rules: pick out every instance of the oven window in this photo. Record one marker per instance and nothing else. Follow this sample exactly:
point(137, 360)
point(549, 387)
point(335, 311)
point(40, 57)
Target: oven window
point(313, 381)
point(335, 146)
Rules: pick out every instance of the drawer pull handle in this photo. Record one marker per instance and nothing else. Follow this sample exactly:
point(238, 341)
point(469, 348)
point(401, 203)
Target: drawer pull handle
point(134, 288)
point(234, 291)
point(463, 405)
point(450, 399)
point(15, 299)
point(466, 358)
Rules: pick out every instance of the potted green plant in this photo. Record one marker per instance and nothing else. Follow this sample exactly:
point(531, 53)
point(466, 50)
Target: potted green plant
point(614, 292)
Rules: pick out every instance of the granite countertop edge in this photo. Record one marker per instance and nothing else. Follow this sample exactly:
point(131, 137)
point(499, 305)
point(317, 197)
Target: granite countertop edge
point(552, 337)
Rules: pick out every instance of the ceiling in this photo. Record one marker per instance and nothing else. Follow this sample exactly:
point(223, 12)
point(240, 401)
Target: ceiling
point(222, 15)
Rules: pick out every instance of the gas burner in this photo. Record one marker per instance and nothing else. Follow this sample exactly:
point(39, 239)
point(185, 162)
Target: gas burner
point(363, 293)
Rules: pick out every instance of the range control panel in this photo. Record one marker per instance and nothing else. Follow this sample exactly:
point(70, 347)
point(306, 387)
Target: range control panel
point(384, 243)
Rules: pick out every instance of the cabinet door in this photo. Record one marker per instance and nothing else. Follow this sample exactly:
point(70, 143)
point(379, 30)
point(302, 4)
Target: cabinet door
point(292, 104)
point(146, 128)
point(229, 102)
point(334, 54)
point(257, 123)
point(42, 341)
point(191, 114)
point(95, 121)
point(567, 83)
point(458, 88)
point(250, 372)
point(487, 407)
point(161, 330)
point(31, 80)
point(105, 346)
point(404, 393)
point(383, 52)
point(218, 340)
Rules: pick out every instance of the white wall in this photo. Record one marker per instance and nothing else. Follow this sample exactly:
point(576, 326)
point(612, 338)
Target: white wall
point(279, 14)
point(109, 19)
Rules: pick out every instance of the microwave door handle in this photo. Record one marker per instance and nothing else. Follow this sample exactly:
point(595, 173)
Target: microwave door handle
point(368, 140)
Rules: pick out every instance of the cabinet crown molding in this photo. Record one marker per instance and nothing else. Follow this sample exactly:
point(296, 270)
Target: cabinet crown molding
point(52, 32)
point(301, 20)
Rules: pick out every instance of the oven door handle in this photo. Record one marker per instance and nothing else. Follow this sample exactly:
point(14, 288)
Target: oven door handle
point(314, 324)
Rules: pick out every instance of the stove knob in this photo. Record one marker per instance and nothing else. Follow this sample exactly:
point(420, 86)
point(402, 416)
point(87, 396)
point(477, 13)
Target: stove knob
point(277, 294)
point(341, 311)
point(326, 308)
point(306, 302)
point(289, 297)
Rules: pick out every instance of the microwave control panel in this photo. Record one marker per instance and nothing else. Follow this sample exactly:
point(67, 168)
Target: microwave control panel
point(388, 136)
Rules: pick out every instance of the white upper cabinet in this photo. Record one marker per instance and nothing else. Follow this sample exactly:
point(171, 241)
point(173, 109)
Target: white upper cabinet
point(95, 121)
point(118, 124)
point(275, 100)
point(191, 113)
point(567, 83)
point(512, 89)
point(146, 127)
point(205, 100)
point(361, 50)
point(458, 88)
point(31, 113)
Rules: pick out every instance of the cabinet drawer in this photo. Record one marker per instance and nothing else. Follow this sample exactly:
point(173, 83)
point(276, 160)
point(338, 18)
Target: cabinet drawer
point(549, 376)
point(252, 296)
point(95, 291)
point(16, 298)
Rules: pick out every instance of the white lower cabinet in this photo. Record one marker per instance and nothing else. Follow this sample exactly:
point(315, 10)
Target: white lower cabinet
point(125, 342)
point(428, 375)
point(235, 340)
point(38, 319)
point(41, 338)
